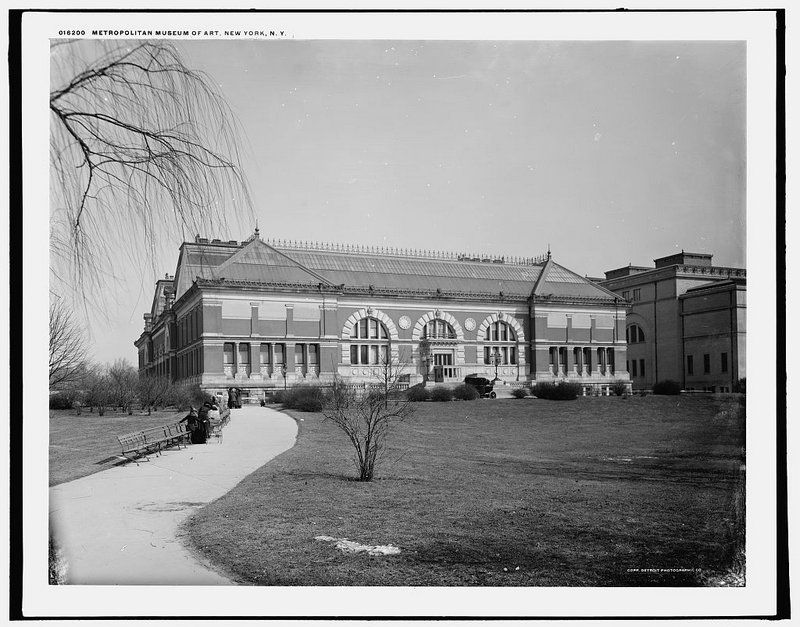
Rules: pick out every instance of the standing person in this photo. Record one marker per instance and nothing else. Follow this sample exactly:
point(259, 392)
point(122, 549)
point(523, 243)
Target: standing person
point(193, 424)
point(231, 398)
point(204, 422)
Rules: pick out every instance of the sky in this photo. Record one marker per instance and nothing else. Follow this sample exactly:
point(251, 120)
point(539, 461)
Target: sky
point(607, 152)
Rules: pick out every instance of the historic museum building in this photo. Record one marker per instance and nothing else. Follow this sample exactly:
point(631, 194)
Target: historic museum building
point(262, 315)
point(686, 322)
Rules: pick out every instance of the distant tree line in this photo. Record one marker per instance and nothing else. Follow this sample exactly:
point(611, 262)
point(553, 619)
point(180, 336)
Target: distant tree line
point(118, 387)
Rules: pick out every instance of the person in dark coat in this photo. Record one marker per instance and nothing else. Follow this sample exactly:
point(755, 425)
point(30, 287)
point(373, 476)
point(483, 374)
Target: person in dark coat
point(204, 422)
point(193, 424)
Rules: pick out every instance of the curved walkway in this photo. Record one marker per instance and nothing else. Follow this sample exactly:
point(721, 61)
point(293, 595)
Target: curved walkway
point(120, 526)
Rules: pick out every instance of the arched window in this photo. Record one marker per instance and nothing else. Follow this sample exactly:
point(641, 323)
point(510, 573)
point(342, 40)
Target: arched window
point(503, 347)
point(371, 345)
point(439, 330)
point(634, 334)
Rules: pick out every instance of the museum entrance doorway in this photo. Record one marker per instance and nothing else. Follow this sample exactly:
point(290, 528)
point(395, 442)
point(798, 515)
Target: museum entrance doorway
point(443, 367)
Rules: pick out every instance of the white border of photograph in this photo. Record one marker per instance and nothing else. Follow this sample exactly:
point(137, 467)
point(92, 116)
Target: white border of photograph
point(756, 598)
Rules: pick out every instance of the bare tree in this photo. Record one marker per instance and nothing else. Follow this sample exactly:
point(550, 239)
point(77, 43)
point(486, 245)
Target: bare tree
point(123, 380)
point(68, 353)
point(152, 392)
point(367, 415)
point(98, 390)
point(142, 147)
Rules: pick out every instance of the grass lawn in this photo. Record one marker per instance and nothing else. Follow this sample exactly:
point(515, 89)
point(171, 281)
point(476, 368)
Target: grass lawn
point(497, 493)
point(82, 445)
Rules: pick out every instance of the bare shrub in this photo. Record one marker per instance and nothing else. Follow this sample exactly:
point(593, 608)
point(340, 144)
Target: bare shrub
point(465, 392)
point(366, 417)
point(418, 393)
point(441, 394)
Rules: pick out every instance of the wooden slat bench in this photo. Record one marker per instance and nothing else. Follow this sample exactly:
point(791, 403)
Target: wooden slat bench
point(153, 440)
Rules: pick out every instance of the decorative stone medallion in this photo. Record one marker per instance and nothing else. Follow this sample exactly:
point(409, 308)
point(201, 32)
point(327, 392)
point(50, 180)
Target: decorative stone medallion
point(370, 311)
point(438, 313)
point(404, 322)
point(469, 324)
point(500, 315)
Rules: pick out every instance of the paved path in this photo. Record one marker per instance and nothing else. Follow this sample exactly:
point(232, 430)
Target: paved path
point(120, 526)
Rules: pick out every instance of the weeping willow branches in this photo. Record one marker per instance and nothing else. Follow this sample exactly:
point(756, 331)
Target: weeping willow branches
point(144, 151)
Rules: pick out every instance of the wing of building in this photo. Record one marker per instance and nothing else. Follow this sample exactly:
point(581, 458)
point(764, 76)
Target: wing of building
point(686, 322)
point(263, 314)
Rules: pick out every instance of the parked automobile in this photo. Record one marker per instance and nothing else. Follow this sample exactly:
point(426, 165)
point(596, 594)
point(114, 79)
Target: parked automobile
point(484, 386)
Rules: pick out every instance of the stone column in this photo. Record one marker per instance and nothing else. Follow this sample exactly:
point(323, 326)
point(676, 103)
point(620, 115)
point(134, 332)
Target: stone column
point(271, 353)
point(289, 360)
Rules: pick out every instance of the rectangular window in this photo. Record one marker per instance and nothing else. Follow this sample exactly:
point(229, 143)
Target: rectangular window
point(724, 362)
point(513, 350)
point(299, 354)
point(373, 329)
point(633, 369)
point(494, 332)
point(641, 367)
point(313, 354)
point(486, 357)
point(244, 353)
point(626, 295)
point(353, 353)
point(505, 355)
point(504, 333)
point(706, 363)
point(637, 294)
point(227, 353)
point(264, 354)
point(384, 354)
point(362, 328)
point(373, 354)
point(365, 354)
point(689, 364)
point(280, 354)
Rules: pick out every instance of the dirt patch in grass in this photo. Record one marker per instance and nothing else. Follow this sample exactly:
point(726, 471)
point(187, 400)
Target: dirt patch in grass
point(86, 444)
point(595, 492)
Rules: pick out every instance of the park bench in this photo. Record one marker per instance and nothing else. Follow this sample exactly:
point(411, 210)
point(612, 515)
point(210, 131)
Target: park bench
point(153, 440)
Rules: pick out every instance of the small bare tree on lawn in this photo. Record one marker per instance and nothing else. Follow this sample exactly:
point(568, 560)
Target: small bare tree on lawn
point(367, 415)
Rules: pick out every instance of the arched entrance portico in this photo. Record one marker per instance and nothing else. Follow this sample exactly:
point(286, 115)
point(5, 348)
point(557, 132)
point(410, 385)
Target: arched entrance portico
point(440, 350)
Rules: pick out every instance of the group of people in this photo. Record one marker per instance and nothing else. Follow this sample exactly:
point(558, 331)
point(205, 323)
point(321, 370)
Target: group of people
point(199, 421)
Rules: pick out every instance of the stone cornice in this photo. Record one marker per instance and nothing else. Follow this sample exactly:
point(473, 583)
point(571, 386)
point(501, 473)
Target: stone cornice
point(720, 272)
